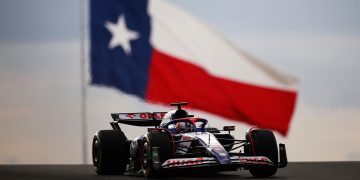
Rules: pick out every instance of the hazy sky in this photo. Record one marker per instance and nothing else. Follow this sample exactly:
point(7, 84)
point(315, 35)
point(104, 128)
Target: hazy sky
point(318, 41)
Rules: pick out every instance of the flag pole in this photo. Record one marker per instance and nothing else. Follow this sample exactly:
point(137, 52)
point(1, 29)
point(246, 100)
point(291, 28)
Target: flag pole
point(83, 82)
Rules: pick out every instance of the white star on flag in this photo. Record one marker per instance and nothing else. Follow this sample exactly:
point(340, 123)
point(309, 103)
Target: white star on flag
point(121, 35)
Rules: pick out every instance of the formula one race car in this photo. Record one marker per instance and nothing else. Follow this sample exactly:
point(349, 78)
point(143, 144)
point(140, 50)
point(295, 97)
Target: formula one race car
point(179, 142)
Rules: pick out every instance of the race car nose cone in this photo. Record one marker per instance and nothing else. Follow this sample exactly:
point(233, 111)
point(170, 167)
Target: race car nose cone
point(221, 155)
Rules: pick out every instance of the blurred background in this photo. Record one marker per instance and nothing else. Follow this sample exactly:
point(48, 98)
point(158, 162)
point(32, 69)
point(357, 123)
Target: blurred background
point(318, 41)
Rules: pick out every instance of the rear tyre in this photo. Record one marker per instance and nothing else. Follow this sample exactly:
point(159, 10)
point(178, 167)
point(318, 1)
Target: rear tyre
point(162, 142)
point(264, 145)
point(110, 152)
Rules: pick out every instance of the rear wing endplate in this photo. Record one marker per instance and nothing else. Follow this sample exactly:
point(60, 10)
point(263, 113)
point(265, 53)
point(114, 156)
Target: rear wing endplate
point(139, 119)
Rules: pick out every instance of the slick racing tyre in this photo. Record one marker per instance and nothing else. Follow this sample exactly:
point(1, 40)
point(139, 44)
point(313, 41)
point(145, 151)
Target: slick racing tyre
point(162, 143)
point(110, 152)
point(264, 145)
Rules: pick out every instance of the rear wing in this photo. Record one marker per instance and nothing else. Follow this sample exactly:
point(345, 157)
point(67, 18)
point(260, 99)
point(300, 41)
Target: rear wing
point(139, 119)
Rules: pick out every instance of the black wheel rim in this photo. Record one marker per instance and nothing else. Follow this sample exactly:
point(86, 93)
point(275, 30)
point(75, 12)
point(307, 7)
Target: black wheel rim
point(145, 156)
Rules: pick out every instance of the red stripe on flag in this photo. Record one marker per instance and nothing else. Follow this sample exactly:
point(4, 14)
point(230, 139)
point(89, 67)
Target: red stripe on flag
point(172, 80)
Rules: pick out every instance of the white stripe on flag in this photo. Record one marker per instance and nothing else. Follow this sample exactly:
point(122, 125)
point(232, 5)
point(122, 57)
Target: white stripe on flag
point(179, 34)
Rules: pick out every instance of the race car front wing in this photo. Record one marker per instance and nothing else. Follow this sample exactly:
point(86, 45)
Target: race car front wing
point(209, 161)
point(239, 161)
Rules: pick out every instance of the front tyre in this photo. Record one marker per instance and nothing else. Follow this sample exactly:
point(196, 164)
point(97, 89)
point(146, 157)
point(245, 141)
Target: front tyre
point(110, 152)
point(162, 143)
point(264, 145)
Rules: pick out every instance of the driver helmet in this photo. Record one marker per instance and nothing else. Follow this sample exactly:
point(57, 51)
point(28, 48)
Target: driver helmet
point(180, 127)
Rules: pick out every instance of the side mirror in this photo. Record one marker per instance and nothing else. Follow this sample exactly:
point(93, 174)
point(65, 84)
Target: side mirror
point(229, 128)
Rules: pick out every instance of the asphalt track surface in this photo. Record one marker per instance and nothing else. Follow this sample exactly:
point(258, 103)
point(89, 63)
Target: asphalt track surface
point(295, 170)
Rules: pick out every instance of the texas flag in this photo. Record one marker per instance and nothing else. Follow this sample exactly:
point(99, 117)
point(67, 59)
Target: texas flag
point(161, 54)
